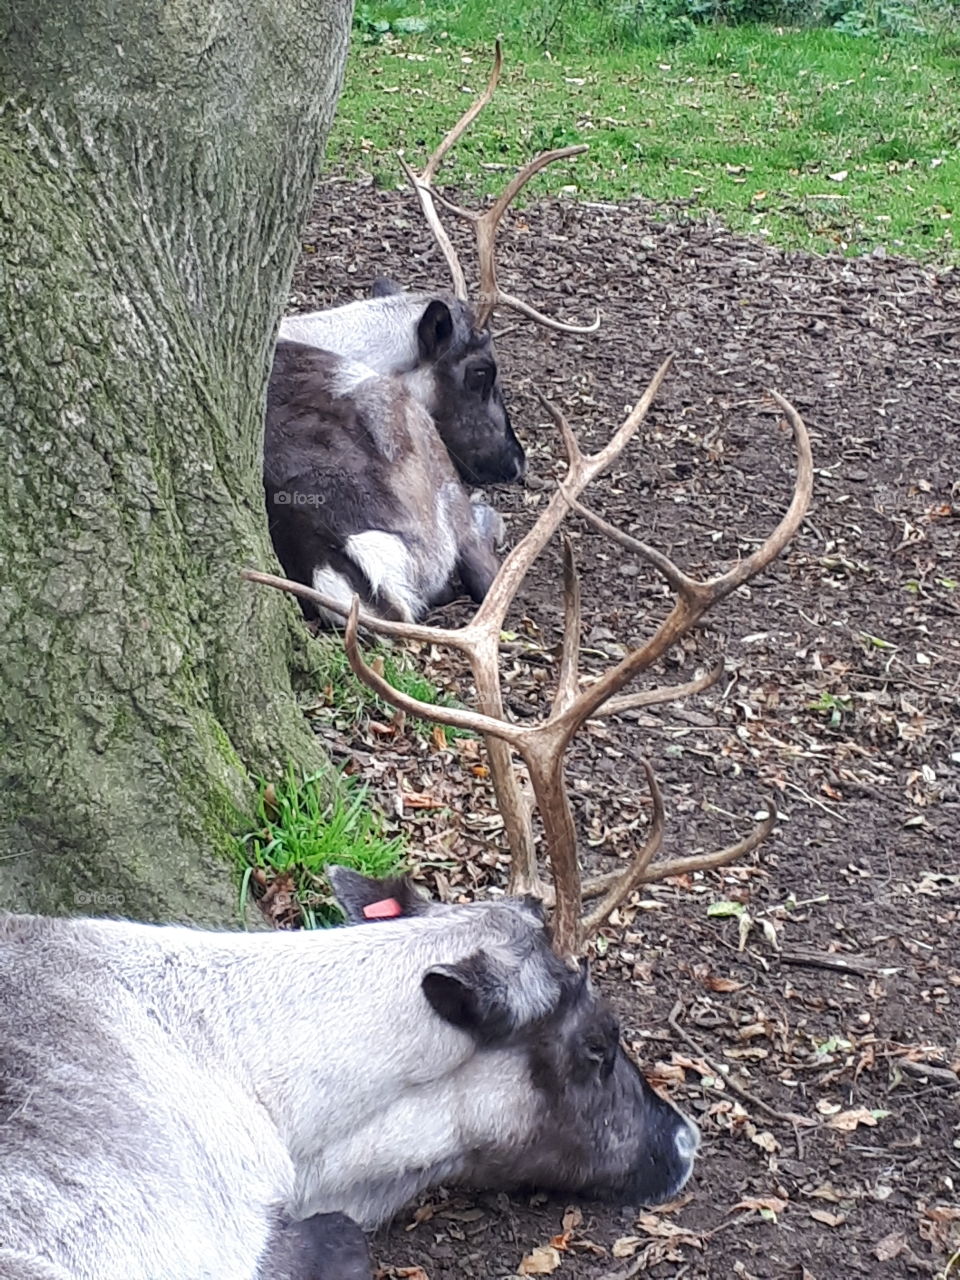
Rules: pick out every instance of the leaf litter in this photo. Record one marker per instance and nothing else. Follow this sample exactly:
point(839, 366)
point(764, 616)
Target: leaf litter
point(837, 1001)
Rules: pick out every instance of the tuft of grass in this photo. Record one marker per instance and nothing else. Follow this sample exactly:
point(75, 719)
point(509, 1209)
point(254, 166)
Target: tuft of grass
point(813, 138)
point(350, 701)
point(303, 824)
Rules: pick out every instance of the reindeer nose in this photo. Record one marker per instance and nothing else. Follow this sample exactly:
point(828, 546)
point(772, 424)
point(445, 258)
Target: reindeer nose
point(687, 1141)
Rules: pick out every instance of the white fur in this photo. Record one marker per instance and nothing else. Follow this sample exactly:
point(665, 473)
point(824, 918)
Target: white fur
point(422, 386)
point(389, 568)
point(349, 375)
point(379, 332)
point(335, 586)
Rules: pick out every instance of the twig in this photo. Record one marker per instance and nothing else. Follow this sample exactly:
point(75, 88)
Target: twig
point(943, 1077)
point(784, 1117)
point(828, 960)
point(840, 817)
point(627, 1273)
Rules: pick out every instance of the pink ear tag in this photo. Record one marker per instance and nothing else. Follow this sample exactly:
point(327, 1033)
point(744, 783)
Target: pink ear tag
point(382, 910)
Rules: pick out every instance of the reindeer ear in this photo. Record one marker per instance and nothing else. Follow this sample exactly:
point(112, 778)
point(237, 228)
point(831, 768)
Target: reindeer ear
point(364, 900)
point(434, 330)
point(470, 995)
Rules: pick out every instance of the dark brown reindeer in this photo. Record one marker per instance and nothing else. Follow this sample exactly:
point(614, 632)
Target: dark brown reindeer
point(359, 495)
point(542, 747)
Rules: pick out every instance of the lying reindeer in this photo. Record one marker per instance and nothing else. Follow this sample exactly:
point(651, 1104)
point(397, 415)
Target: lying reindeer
point(395, 535)
point(158, 1123)
point(361, 493)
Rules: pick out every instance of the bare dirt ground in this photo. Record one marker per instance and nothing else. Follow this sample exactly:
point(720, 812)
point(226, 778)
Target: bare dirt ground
point(830, 988)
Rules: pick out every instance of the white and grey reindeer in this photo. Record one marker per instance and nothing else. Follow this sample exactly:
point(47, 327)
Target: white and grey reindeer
point(377, 411)
point(157, 1122)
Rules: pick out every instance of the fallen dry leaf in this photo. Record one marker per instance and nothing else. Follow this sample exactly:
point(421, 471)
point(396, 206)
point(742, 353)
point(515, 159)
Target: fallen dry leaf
point(752, 1031)
point(827, 1218)
point(724, 985)
point(764, 1140)
point(827, 1191)
point(654, 1225)
point(382, 730)
point(423, 1214)
point(693, 1064)
point(936, 1225)
point(761, 1204)
point(890, 1246)
point(943, 1213)
point(541, 1262)
point(572, 1219)
point(847, 1121)
point(626, 1246)
point(665, 1074)
point(420, 800)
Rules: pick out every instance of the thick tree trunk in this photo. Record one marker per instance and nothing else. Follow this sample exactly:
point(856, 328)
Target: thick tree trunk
point(156, 162)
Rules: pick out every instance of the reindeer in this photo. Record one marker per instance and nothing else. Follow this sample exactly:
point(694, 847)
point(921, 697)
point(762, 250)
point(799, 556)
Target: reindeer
point(358, 495)
point(361, 493)
point(158, 1120)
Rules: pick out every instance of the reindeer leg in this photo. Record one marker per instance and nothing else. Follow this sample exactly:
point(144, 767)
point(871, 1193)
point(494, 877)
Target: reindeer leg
point(328, 1246)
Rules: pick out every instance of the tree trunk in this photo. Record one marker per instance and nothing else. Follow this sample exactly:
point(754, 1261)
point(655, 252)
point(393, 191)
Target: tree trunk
point(157, 159)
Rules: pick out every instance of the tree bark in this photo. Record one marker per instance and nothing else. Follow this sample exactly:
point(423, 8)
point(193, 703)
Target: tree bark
point(157, 158)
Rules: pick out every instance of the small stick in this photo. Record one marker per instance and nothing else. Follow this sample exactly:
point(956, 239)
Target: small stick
point(784, 1117)
point(825, 960)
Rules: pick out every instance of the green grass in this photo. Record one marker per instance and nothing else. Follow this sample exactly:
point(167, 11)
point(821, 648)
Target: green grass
point(350, 701)
point(302, 825)
point(755, 124)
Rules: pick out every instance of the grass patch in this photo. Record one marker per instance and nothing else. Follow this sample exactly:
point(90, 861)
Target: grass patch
point(813, 138)
point(302, 825)
point(349, 701)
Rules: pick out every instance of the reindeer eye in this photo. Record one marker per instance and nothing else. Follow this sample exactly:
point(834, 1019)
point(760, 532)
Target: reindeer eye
point(596, 1049)
point(479, 378)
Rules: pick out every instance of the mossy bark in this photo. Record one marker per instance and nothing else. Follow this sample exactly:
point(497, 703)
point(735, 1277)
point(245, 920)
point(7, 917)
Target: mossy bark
point(156, 164)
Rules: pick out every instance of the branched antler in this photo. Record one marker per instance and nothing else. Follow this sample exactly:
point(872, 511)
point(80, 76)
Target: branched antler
point(542, 746)
point(485, 224)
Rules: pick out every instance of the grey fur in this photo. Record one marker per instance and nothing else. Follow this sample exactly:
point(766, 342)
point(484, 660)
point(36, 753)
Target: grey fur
point(169, 1096)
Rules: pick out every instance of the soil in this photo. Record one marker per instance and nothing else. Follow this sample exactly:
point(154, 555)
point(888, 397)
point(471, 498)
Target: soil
point(828, 986)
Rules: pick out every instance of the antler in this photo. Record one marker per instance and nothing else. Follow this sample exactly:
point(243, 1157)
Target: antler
point(485, 224)
point(542, 747)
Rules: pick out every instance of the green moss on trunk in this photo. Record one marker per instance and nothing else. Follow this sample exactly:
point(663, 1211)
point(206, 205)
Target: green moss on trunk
point(156, 162)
